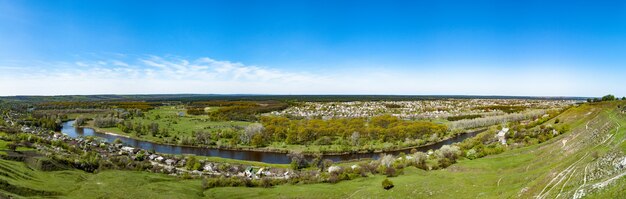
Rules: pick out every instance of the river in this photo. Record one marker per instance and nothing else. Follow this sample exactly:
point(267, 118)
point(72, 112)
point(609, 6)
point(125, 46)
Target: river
point(267, 157)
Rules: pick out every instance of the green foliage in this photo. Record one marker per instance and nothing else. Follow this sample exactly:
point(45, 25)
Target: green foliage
point(387, 184)
point(462, 117)
point(236, 110)
point(608, 98)
point(257, 140)
point(117, 141)
point(106, 122)
point(192, 163)
point(383, 128)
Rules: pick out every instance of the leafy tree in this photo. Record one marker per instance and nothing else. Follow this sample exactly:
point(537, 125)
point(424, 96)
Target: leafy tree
point(80, 121)
point(257, 140)
point(297, 160)
point(387, 184)
point(608, 98)
point(154, 129)
point(192, 163)
point(117, 141)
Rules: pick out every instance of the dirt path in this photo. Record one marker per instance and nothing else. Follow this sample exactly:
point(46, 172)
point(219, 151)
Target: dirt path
point(560, 177)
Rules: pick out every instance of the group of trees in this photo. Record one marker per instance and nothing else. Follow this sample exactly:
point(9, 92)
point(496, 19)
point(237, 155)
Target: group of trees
point(140, 129)
point(462, 117)
point(488, 121)
point(235, 110)
point(47, 121)
point(141, 105)
point(604, 98)
point(106, 122)
point(357, 130)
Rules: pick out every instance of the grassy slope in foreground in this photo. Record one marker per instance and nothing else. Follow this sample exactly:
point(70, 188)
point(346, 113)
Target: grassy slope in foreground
point(556, 167)
point(547, 170)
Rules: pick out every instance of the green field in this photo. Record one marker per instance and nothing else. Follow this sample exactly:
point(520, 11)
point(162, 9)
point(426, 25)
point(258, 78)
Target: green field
point(181, 126)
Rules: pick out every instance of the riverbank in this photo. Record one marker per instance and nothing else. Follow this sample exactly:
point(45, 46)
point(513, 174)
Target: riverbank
point(306, 150)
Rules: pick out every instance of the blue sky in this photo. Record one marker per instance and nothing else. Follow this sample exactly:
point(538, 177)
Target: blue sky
point(539, 48)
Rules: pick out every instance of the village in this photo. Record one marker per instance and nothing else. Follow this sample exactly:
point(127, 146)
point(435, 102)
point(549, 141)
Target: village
point(175, 165)
point(423, 109)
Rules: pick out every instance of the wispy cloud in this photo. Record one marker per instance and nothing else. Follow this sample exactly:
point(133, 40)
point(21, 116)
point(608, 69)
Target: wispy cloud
point(170, 74)
point(149, 74)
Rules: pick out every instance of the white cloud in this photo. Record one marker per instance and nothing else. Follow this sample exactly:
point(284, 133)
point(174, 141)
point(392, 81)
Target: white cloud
point(152, 74)
point(157, 74)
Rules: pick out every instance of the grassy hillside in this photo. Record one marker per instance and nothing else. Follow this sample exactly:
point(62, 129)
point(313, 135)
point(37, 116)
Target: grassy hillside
point(580, 160)
point(17, 179)
point(583, 162)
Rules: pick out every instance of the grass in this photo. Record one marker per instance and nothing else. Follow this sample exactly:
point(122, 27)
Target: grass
point(107, 184)
point(4, 146)
point(523, 172)
point(181, 126)
point(519, 173)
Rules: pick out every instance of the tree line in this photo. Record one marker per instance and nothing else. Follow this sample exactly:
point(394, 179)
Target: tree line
point(357, 130)
point(235, 110)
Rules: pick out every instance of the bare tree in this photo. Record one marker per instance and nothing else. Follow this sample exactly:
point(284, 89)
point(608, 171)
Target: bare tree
point(355, 138)
point(250, 131)
point(488, 121)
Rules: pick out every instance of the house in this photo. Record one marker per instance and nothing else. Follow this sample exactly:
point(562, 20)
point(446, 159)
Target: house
point(249, 171)
point(501, 135)
point(260, 172)
point(208, 167)
point(332, 169)
point(170, 162)
point(128, 149)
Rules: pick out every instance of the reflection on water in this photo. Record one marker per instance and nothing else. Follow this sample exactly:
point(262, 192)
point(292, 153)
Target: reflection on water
point(267, 157)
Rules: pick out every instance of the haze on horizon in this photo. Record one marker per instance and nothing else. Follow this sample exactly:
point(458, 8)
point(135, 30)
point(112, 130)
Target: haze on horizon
point(529, 48)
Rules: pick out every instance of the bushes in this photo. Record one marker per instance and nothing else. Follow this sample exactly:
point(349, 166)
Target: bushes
point(80, 121)
point(106, 122)
point(419, 160)
point(462, 117)
point(390, 172)
point(448, 152)
point(117, 141)
point(387, 184)
point(355, 130)
point(192, 163)
point(297, 160)
point(196, 111)
point(240, 110)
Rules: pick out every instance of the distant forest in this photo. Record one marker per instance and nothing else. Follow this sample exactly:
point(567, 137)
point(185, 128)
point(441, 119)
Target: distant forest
point(286, 98)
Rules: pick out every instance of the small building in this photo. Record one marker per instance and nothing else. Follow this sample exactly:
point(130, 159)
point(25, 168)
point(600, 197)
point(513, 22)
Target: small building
point(249, 172)
point(208, 167)
point(333, 169)
point(502, 135)
point(129, 150)
point(170, 162)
